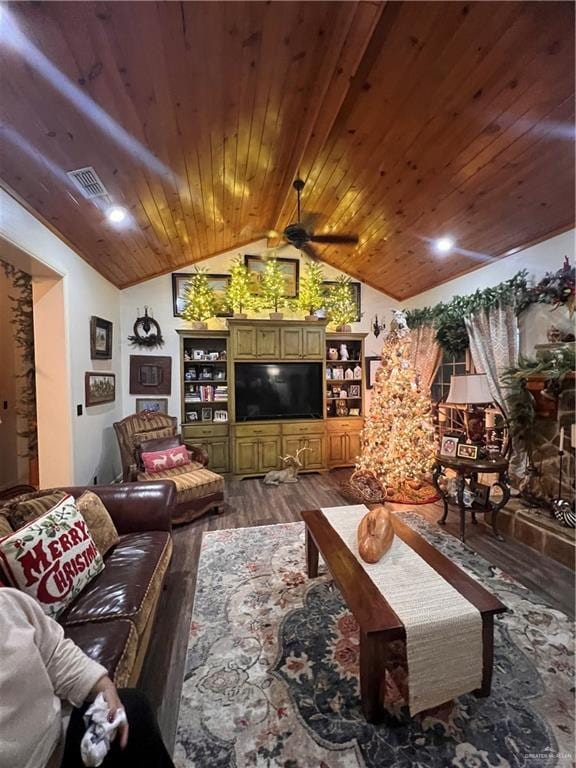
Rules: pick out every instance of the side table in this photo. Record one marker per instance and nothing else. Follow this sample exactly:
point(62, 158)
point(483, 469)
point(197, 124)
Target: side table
point(471, 468)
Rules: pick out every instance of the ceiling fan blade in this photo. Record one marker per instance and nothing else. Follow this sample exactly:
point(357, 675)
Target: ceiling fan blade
point(343, 239)
point(310, 251)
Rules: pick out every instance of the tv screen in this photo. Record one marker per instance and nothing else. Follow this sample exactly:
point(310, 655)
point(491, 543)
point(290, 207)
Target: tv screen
point(278, 391)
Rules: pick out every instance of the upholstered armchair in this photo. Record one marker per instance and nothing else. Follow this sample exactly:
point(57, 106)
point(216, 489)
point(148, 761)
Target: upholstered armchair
point(198, 489)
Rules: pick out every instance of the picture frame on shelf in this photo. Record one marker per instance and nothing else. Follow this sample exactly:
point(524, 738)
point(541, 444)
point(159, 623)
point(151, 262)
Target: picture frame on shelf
point(481, 494)
point(371, 366)
point(449, 446)
point(99, 388)
point(192, 416)
point(467, 451)
point(221, 415)
point(290, 269)
point(354, 390)
point(218, 282)
point(206, 414)
point(100, 338)
point(152, 404)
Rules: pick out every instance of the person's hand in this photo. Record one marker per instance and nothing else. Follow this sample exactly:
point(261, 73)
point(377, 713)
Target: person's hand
point(106, 687)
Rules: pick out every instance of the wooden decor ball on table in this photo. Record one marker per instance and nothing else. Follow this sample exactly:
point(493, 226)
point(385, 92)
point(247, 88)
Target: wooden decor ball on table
point(375, 534)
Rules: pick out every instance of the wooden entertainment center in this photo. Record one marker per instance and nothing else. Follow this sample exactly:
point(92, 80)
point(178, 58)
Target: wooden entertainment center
point(251, 448)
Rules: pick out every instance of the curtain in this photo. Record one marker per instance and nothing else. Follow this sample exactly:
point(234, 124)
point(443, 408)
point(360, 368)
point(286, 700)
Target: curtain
point(425, 354)
point(494, 346)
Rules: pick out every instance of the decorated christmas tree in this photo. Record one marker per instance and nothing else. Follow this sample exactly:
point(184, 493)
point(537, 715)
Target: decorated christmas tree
point(239, 298)
point(340, 303)
point(200, 299)
point(397, 440)
point(310, 296)
point(273, 286)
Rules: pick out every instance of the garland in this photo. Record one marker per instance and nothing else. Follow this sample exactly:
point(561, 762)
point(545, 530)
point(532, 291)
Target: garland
point(448, 318)
point(23, 322)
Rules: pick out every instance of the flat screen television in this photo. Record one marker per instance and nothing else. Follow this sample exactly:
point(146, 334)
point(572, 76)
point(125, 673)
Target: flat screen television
point(278, 391)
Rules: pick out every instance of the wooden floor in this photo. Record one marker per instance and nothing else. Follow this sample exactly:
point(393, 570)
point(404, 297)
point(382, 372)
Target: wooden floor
point(250, 503)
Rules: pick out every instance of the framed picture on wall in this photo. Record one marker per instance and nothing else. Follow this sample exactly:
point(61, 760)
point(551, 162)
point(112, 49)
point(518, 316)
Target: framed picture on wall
point(179, 283)
point(290, 269)
point(150, 375)
point(371, 365)
point(99, 388)
point(100, 339)
point(153, 404)
point(356, 293)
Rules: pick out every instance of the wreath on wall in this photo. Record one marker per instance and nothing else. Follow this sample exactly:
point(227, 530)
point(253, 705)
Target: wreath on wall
point(556, 288)
point(147, 332)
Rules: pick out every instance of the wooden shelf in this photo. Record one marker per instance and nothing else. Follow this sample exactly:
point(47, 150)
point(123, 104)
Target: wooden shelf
point(348, 397)
point(331, 380)
point(206, 381)
point(204, 362)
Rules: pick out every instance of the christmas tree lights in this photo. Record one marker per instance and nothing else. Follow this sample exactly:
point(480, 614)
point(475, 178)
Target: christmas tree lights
point(239, 298)
point(340, 302)
point(310, 296)
point(200, 300)
point(398, 439)
point(273, 286)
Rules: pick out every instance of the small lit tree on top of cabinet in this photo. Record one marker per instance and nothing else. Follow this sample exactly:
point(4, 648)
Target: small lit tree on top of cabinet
point(273, 288)
point(311, 296)
point(341, 305)
point(239, 298)
point(200, 301)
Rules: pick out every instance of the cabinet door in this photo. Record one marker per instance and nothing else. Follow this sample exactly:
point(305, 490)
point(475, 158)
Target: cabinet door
point(291, 445)
point(218, 455)
point(353, 447)
point(268, 454)
point(291, 343)
point(268, 342)
point(313, 343)
point(246, 455)
point(244, 343)
point(313, 458)
point(336, 448)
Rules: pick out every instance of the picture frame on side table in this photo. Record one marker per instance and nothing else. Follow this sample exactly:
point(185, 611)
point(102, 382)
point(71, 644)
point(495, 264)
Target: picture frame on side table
point(99, 388)
point(100, 338)
point(467, 451)
point(371, 365)
point(449, 446)
point(290, 269)
point(152, 404)
point(218, 282)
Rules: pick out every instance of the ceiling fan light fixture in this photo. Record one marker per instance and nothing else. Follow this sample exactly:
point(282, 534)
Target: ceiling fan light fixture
point(444, 244)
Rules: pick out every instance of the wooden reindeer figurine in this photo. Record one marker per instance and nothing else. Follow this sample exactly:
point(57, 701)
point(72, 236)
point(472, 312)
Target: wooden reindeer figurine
point(289, 472)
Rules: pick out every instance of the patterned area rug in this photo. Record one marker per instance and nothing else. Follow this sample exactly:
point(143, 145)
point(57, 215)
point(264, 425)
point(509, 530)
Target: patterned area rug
point(272, 671)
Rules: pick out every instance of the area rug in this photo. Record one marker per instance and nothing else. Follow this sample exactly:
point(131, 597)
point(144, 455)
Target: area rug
point(272, 671)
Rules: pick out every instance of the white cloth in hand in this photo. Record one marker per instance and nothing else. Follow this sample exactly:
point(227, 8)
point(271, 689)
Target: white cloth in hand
point(100, 732)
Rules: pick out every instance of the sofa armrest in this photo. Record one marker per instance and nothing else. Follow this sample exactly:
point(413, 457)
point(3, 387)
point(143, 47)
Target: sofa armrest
point(136, 506)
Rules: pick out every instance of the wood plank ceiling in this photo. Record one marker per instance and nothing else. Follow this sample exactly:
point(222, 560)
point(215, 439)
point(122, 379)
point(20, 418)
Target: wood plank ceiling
point(407, 120)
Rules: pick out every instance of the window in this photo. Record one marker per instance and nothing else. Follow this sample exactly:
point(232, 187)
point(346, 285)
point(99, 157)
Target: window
point(449, 420)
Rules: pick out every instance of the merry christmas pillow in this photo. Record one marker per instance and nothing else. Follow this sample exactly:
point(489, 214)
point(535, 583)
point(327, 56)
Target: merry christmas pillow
point(53, 557)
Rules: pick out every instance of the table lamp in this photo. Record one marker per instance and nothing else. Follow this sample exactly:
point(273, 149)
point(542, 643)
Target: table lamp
point(472, 389)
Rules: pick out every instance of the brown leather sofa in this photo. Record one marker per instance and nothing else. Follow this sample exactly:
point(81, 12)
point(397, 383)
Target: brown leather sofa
point(113, 617)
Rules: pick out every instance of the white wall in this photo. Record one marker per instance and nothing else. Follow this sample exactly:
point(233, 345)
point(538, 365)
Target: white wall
point(157, 295)
point(83, 292)
point(547, 256)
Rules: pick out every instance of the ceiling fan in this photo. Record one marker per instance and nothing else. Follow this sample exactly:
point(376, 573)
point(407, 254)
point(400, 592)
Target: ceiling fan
point(301, 235)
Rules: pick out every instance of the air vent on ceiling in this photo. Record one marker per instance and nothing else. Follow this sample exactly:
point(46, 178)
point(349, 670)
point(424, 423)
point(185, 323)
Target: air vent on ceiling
point(87, 181)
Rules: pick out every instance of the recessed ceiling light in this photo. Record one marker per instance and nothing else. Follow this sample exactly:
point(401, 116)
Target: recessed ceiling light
point(116, 214)
point(444, 244)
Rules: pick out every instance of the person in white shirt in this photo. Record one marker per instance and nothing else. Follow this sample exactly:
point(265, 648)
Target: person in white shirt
point(39, 668)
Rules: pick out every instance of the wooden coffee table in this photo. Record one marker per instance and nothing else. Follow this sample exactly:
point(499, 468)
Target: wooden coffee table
point(378, 623)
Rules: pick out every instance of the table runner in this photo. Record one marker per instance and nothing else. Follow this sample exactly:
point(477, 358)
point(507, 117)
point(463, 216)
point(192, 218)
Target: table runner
point(443, 629)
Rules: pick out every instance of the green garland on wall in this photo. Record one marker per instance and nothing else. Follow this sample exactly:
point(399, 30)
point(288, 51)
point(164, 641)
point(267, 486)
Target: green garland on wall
point(23, 322)
point(448, 318)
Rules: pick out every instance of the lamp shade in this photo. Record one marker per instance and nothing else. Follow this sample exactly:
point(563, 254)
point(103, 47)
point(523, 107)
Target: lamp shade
point(472, 388)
